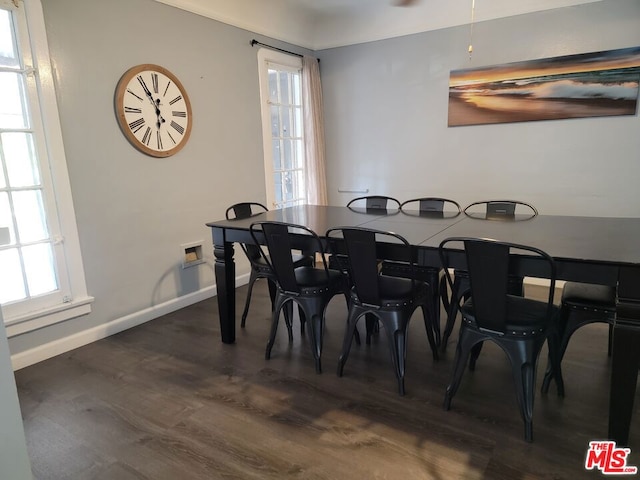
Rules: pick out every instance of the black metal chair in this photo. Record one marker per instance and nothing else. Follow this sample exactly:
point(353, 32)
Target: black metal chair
point(377, 204)
point(390, 300)
point(520, 326)
point(426, 207)
point(501, 210)
point(309, 287)
point(371, 204)
point(581, 305)
point(259, 268)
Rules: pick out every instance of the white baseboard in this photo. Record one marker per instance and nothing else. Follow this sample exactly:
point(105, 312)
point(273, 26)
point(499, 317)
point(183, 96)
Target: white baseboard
point(85, 337)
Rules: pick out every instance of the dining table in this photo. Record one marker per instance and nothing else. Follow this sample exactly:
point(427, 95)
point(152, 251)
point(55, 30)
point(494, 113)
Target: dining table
point(597, 250)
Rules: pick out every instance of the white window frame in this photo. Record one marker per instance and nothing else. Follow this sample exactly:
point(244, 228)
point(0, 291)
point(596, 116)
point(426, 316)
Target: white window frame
point(71, 300)
point(281, 61)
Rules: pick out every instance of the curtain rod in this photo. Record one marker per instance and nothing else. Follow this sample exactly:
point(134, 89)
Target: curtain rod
point(255, 42)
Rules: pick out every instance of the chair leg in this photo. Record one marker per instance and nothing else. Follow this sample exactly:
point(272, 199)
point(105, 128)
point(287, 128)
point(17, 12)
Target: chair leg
point(352, 322)
point(303, 319)
point(463, 349)
point(317, 326)
point(288, 319)
point(372, 326)
point(524, 356)
point(459, 290)
point(475, 353)
point(252, 279)
point(430, 334)
point(274, 327)
point(563, 333)
point(434, 285)
point(443, 293)
point(524, 371)
point(555, 361)
point(397, 337)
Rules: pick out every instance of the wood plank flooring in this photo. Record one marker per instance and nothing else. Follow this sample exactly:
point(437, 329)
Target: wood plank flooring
point(168, 400)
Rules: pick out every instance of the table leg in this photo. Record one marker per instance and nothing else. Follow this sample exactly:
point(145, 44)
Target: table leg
point(625, 355)
point(624, 376)
point(225, 271)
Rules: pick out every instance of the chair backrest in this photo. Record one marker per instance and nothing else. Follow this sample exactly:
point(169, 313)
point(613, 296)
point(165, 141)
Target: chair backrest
point(244, 210)
point(241, 211)
point(489, 263)
point(361, 246)
point(501, 209)
point(431, 206)
point(281, 239)
point(375, 203)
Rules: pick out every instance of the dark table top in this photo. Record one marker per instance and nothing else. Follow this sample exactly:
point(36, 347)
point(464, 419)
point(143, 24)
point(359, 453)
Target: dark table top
point(583, 239)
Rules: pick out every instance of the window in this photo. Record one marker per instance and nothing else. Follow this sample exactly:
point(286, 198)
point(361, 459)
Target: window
point(41, 277)
point(281, 99)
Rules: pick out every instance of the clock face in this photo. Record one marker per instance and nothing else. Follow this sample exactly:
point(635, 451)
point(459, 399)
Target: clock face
point(153, 110)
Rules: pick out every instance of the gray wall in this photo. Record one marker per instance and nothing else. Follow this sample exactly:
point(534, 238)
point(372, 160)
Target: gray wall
point(386, 118)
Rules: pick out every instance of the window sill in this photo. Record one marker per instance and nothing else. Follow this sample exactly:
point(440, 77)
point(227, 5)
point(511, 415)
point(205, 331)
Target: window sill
point(50, 316)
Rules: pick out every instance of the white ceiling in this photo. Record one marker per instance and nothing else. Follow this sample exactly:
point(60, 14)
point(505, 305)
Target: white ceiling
point(319, 24)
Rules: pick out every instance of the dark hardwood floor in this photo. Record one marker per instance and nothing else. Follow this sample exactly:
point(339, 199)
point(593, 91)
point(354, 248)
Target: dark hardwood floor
point(168, 400)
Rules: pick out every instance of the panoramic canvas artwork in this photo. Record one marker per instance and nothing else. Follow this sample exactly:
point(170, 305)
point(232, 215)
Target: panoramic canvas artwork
point(586, 85)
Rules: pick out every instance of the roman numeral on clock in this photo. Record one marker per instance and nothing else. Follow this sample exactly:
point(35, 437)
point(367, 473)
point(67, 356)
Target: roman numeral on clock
point(154, 81)
point(136, 124)
point(177, 99)
point(178, 128)
point(132, 110)
point(147, 136)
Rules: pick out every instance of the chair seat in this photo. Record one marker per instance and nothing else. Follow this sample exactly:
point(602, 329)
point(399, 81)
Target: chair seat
point(589, 296)
point(310, 279)
point(525, 317)
point(395, 291)
point(298, 260)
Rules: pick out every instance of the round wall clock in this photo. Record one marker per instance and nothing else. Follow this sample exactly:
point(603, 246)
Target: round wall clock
point(153, 110)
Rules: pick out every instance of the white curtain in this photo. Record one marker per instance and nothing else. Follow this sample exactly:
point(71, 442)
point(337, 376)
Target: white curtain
point(314, 148)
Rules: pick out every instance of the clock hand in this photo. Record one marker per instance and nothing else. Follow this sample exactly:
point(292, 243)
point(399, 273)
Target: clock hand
point(161, 120)
point(155, 103)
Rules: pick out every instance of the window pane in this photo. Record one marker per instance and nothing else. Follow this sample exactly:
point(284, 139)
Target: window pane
point(8, 51)
point(38, 265)
point(275, 122)
point(30, 217)
point(6, 222)
point(297, 90)
point(288, 161)
point(284, 88)
point(285, 121)
point(20, 158)
point(11, 285)
point(288, 186)
point(277, 153)
point(273, 86)
point(12, 111)
point(277, 183)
